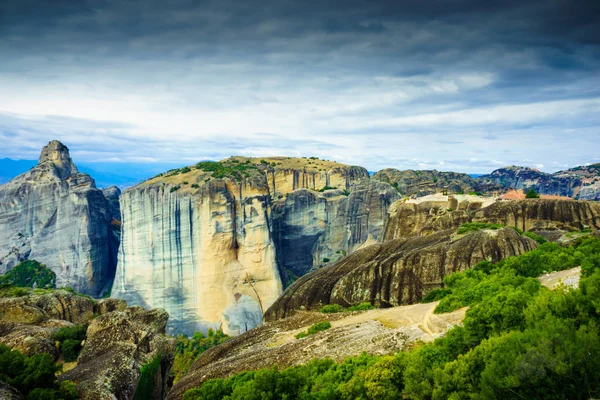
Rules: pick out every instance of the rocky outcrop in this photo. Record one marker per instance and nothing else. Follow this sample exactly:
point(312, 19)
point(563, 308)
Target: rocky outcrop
point(542, 215)
point(112, 194)
point(56, 215)
point(524, 178)
point(589, 175)
point(8, 392)
point(409, 219)
point(208, 242)
point(425, 182)
point(120, 339)
point(118, 344)
point(397, 272)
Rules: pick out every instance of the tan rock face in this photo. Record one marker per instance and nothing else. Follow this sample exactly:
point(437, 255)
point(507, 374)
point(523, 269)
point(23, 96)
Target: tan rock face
point(210, 251)
point(57, 216)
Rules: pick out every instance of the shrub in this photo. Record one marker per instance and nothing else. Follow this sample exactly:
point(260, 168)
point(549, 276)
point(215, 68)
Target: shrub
point(184, 170)
point(365, 306)
point(174, 189)
point(318, 327)
point(188, 349)
point(331, 308)
point(195, 186)
point(70, 338)
point(30, 273)
point(532, 194)
point(301, 335)
point(326, 260)
point(476, 226)
point(537, 238)
point(436, 294)
point(145, 387)
point(70, 349)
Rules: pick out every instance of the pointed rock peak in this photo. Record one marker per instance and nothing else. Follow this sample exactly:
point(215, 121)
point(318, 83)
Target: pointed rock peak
point(58, 154)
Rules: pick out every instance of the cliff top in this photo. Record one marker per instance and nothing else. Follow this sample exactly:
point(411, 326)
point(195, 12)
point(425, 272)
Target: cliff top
point(239, 168)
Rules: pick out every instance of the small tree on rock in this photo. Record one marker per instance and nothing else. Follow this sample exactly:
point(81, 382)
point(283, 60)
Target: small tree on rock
point(532, 194)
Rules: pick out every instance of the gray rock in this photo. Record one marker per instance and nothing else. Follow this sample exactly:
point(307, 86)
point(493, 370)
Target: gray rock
point(57, 216)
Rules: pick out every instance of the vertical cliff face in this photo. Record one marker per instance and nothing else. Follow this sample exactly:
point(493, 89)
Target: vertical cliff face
point(56, 215)
point(207, 243)
point(312, 228)
point(204, 255)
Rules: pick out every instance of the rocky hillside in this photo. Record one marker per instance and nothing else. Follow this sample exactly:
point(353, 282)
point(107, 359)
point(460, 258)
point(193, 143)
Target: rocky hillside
point(56, 215)
point(526, 178)
point(422, 244)
point(397, 272)
point(425, 182)
point(590, 180)
point(215, 243)
point(119, 340)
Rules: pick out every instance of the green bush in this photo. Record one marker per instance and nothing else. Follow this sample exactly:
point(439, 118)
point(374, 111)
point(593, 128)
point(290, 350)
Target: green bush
point(70, 339)
point(188, 349)
point(326, 260)
point(476, 226)
point(537, 238)
point(331, 308)
point(195, 186)
point(30, 273)
point(70, 349)
point(34, 377)
point(174, 189)
point(318, 327)
point(365, 306)
point(184, 170)
point(532, 194)
point(436, 294)
point(301, 335)
point(145, 386)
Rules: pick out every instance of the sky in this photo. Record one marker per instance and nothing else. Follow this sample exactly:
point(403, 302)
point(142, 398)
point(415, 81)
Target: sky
point(464, 85)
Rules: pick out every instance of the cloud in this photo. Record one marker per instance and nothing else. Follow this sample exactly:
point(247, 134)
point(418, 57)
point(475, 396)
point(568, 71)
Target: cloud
point(376, 83)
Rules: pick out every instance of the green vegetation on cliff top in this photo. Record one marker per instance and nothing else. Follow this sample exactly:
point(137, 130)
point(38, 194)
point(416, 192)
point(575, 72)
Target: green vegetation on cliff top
point(30, 274)
point(519, 340)
point(188, 349)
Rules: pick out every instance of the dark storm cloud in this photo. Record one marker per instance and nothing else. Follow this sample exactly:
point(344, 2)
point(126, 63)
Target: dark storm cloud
point(447, 72)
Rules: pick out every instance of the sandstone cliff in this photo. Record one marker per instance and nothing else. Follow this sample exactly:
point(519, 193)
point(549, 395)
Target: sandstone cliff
point(209, 243)
point(397, 272)
point(409, 219)
point(56, 215)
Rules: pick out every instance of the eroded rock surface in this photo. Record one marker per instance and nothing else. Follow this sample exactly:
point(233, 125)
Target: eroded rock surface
point(118, 344)
point(397, 272)
point(425, 182)
point(57, 216)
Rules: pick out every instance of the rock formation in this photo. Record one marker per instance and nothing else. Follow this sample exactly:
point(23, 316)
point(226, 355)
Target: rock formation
point(118, 344)
point(425, 182)
point(57, 216)
point(210, 243)
point(397, 272)
point(526, 178)
point(119, 341)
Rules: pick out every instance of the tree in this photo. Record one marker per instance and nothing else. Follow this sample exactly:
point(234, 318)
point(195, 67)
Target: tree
point(532, 194)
